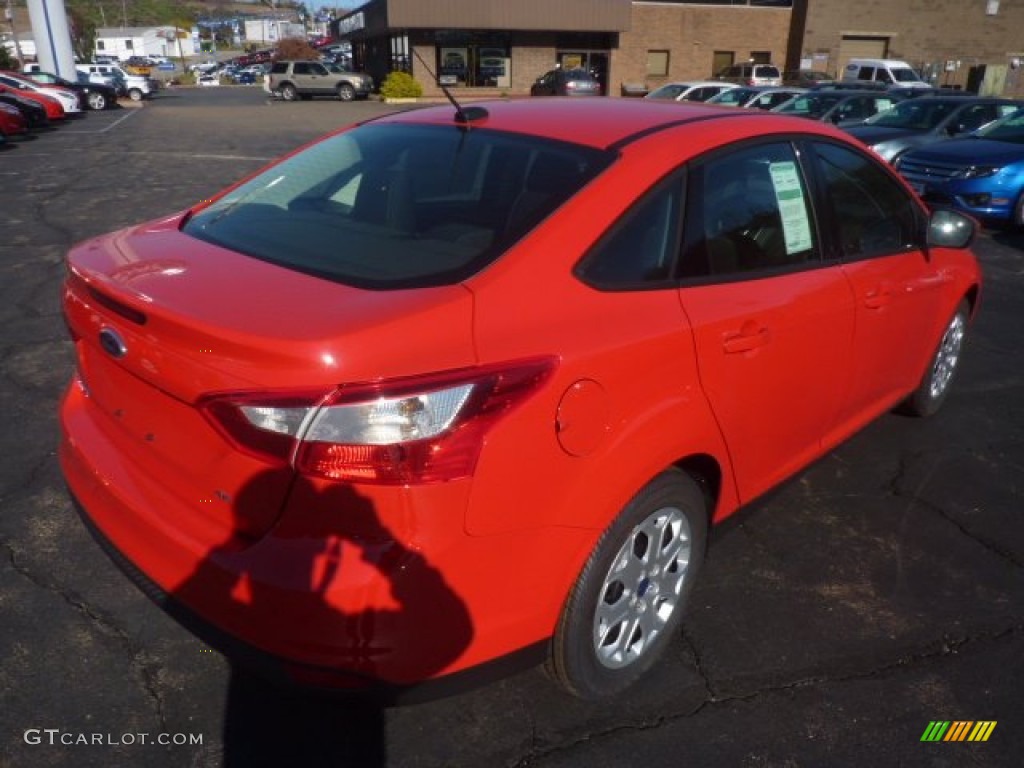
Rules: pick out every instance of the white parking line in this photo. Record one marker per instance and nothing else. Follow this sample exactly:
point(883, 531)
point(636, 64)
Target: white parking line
point(101, 130)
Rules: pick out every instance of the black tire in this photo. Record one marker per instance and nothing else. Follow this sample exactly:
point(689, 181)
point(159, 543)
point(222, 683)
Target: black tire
point(135, 94)
point(629, 599)
point(97, 100)
point(934, 388)
point(288, 92)
point(346, 92)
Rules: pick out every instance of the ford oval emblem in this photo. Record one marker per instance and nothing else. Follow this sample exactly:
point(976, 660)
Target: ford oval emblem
point(112, 343)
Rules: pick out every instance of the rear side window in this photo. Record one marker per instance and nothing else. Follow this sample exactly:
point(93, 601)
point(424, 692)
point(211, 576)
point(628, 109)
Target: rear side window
point(279, 67)
point(397, 206)
point(639, 251)
point(872, 214)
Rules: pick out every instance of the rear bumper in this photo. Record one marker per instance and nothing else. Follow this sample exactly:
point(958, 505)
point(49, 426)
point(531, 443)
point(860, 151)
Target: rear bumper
point(288, 673)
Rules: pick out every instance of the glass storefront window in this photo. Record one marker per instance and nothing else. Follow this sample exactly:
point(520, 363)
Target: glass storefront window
point(475, 60)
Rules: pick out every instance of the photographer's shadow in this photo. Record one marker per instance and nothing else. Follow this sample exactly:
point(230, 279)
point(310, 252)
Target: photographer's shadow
point(327, 541)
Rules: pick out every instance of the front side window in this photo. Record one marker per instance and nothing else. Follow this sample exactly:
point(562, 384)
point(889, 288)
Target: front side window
point(397, 206)
point(872, 214)
point(748, 212)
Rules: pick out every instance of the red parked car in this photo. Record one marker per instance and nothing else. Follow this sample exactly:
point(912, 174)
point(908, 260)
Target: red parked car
point(442, 389)
point(12, 122)
point(54, 111)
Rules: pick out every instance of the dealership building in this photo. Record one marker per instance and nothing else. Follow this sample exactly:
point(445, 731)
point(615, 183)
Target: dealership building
point(492, 46)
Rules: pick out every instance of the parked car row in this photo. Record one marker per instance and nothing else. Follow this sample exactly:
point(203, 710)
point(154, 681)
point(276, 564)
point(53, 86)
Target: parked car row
point(956, 149)
point(28, 105)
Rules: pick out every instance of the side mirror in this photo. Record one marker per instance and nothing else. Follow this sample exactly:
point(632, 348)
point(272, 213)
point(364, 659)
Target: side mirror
point(950, 229)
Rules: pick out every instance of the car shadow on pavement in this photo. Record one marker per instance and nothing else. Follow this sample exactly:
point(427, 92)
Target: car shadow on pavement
point(265, 725)
point(279, 585)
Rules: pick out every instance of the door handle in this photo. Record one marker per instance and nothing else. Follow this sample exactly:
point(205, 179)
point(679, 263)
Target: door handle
point(878, 297)
point(749, 338)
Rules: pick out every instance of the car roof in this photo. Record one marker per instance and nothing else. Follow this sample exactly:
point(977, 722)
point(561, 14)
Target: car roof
point(597, 122)
point(698, 83)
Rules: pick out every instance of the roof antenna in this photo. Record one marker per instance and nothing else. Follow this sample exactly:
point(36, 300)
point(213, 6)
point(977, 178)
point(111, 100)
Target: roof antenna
point(463, 115)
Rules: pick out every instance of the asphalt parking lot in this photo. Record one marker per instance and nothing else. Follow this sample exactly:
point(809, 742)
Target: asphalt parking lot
point(879, 591)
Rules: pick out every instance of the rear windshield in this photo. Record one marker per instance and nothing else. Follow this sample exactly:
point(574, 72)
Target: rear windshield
point(399, 206)
point(766, 71)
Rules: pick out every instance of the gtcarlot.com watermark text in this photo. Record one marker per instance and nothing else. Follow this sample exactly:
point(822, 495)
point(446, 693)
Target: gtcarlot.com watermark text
point(56, 737)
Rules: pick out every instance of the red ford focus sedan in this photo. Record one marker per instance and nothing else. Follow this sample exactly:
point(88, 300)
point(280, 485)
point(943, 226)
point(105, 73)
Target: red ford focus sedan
point(449, 389)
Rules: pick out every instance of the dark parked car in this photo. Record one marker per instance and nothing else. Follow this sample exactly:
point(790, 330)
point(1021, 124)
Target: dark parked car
point(982, 173)
point(918, 122)
point(566, 82)
point(93, 95)
point(805, 78)
point(837, 106)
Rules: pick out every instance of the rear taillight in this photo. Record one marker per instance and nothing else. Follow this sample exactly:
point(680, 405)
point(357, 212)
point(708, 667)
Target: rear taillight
point(421, 429)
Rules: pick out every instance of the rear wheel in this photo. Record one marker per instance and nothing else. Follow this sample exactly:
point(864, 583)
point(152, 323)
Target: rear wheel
point(938, 379)
point(96, 100)
point(629, 599)
point(346, 92)
point(288, 92)
point(135, 94)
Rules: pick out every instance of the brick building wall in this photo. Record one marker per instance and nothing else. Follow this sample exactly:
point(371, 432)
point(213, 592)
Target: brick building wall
point(927, 34)
point(692, 34)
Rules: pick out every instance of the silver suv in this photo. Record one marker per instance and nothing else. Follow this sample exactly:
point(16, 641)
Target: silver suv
point(306, 79)
point(751, 74)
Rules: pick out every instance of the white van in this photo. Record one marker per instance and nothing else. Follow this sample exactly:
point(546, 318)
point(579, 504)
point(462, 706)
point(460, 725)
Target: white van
point(886, 71)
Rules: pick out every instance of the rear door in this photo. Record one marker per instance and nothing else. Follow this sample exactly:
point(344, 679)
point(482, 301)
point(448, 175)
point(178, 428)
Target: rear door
point(302, 78)
point(772, 321)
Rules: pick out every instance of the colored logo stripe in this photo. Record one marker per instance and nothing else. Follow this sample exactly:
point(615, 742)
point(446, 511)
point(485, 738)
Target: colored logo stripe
point(935, 731)
point(958, 730)
point(982, 730)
